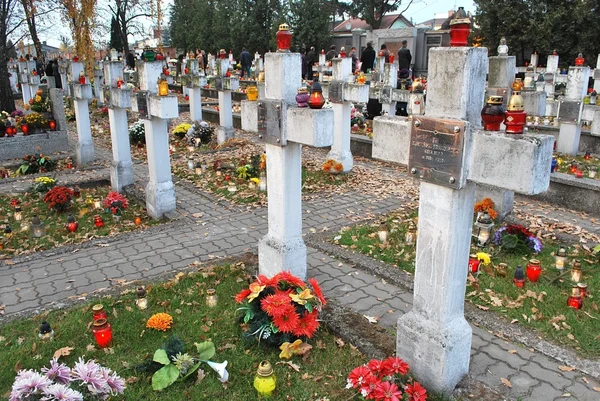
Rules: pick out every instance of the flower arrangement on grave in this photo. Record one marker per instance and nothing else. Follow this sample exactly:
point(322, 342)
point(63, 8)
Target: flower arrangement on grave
point(332, 166)
point(40, 102)
point(115, 203)
point(43, 184)
point(59, 198)
point(33, 164)
point(200, 132)
point(386, 380)
point(280, 309)
point(33, 120)
point(3, 119)
point(181, 130)
point(160, 321)
point(249, 167)
point(85, 381)
point(16, 113)
point(486, 205)
point(517, 239)
point(357, 118)
point(137, 132)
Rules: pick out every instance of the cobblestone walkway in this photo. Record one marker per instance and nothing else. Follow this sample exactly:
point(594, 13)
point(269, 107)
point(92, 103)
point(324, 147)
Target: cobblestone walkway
point(51, 278)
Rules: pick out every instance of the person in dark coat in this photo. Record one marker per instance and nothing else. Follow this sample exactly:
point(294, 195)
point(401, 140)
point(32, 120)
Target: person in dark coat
point(404, 57)
point(404, 82)
point(368, 58)
point(311, 59)
point(56, 74)
point(49, 71)
point(354, 58)
point(130, 60)
point(385, 52)
point(331, 53)
point(246, 62)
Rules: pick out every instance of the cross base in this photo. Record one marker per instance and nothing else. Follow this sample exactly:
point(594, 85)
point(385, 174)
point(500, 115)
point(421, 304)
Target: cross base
point(568, 138)
point(225, 133)
point(437, 354)
point(160, 198)
point(121, 174)
point(85, 153)
point(275, 255)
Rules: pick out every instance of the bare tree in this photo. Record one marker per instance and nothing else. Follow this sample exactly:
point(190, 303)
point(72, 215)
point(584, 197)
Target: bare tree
point(127, 14)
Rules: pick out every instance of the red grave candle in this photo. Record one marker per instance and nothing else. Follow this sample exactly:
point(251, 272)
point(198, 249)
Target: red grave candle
point(284, 38)
point(102, 332)
point(25, 129)
point(98, 312)
point(534, 269)
point(473, 264)
point(52, 124)
point(82, 79)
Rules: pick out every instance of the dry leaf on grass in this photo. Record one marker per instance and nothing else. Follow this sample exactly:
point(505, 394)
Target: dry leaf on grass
point(290, 364)
point(372, 319)
point(64, 351)
point(506, 382)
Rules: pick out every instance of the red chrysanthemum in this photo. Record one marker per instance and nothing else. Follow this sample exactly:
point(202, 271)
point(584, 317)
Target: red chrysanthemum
point(307, 325)
point(264, 280)
point(317, 290)
point(288, 320)
point(394, 365)
point(290, 279)
point(387, 391)
point(239, 298)
point(358, 376)
point(377, 367)
point(369, 385)
point(416, 392)
point(275, 305)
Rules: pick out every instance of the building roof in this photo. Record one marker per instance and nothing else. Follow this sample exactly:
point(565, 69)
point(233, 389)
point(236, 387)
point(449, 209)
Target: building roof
point(356, 23)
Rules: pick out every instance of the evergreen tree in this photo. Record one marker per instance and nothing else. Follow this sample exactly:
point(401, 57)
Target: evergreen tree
point(115, 36)
point(309, 23)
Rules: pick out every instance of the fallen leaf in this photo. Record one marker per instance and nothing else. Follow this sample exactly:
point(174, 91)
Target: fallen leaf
point(290, 364)
point(597, 389)
point(197, 215)
point(566, 368)
point(132, 379)
point(200, 376)
point(102, 245)
point(512, 351)
point(340, 343)
point(20, 340)
point(64, 351)
point(482, 307)
point(129, 308)
point(506, 382)
point(18, 367)
point(371, 319)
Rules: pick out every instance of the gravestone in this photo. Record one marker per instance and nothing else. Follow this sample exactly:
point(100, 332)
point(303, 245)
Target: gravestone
point(449, 153)
point(341, 96)
point(224, 85)
point(118, 101)
point(99, 81)
point(29, 82)
point(82, 94)
point(155, 110)
point(194, 81)
point(597, 77)
point(570, 109)
point(285, 128)
point(13, 76)
point(58, 108)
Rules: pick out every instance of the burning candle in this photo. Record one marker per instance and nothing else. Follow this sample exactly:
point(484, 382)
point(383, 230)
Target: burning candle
point(574, 301)
point(534, 269)
point(102, 332)
point(473, 264)
point(98, 312)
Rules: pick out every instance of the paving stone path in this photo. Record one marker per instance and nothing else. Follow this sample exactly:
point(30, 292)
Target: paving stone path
point(50, 278)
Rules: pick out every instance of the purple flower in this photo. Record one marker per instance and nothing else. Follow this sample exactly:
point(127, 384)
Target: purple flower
point(89, 373)
point(27, 383)
point(535, 244)
point(60, 392)
point(116, 383)
point(498, 236)
point(58, 372)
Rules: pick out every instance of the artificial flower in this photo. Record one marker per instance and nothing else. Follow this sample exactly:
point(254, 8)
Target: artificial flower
point(289, 278)
point(386, 391)
point(484, 258)
point(255, 290)
point(395, 365)
point(274, 304)
point(307, 325)
point(160, 321)
point(303, 297)
point(357, 376)
point(317, 290)
point(287, 322)
point(416, 392)
point(239, 298)
point(287, 349)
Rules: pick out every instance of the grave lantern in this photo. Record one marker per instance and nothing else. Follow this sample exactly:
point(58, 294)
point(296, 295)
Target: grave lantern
point(18, 214)
point(460, 28)
point(502, 47)
point(582, 289)
point(484, 226)
point(52, 124)
point(474, 263)
point(519, 278)
point(252, 93)
point(515, 114)
point(231, 187)
point(7, 232)
point(137, 220)
point(190, 163)
point(81, 78)
point(163, 87)
point(540, 83)
point(98, 221)
point(302, 97)
point(72, 224)
point(37, 227)
point(262, 182)
point(211, 298)
point(98, 312)
point(102, 333)
point(265, 381)
point(97, 204)
point(149, 54)
point(576, 272)
point(579, 60)
point(492, 113)
point(46, 332)
point(284, 38)
point(592, 172)
point(382, 233)
point(560, 258)
point(534, 269)
point(142, 300)
point(574, 300)
point(411, 233)
point(316, 99)
point(587, 156)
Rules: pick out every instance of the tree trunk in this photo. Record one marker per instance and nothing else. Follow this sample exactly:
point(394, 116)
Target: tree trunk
point(122, 22)
point(30, 17)
point(7, 102)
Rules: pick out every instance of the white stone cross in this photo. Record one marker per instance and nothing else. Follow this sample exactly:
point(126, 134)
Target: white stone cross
point(341, 95)
point(99, 81)
point(451, 153)
point(155, 110)
point(383, 89)
point(82, 94)
point(29, 82)
point(597, 75)
point(570, 109)
point(194, 81)
point(224, 85)
point(13, 76)
point(119, 100)
point(285, 128)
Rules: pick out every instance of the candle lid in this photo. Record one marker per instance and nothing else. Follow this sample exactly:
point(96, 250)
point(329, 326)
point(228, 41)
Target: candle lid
point(534, 262)
point(577, 265)
point(519, 274)
point(265, 369)
point(210, 291)
point(495, 100)
point(575, 291)
point(284, 27)
point(141, 291)
point(562, 252)
point(36, 221)
point(472, 256)
point(45, 328)
point(582, 286)
point(97, 308)
point(100, 322)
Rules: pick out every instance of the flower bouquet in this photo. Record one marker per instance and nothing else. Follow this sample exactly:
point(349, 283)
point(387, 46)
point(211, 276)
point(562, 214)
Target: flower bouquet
point(332, 166)
point(114, 203)
point(137, 133)
point(517, 239)
point(43, 184)
point(486, 205)
point(59, 198)
point(386, 380)
point(280, 309)
point(85, 381)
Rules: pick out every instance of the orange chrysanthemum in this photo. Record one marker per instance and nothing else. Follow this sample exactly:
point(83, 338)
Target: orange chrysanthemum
point(239, 298)
point(338, 167)
point(288, 321)
point(274, 305)
point(160, 321)
point(317, 290)
point(289, 278)
point(307, 325)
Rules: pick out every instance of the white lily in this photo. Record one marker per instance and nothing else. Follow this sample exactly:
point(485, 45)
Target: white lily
point(221, 370)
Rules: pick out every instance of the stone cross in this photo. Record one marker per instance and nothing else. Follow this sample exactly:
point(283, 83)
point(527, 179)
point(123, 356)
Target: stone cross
point(450, 154)
point(98, 81)
point(570, 109)
point(13, 76)
point(225, 85)
point(285, 128)
point(194, 81)
point(385, 91)
point(155, 110)
point(597, 75)
point(118, 101)
point(74, 68)
point(341, 95)
point(29, 82)
point(82, 94)
point(62, 70)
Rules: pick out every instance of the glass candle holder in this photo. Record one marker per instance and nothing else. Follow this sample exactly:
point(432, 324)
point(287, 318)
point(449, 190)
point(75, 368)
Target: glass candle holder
point(473, 264)
point(37, 227)
point(102, 333)
point(137, 220)
point(484, 226)
point(163, 88)
point(98, 312)
point(560, 258)
point(519, 278)
point(582, 289)
point(576, 272)
point(18, 215)
point(575, 301)
point(265, 381)
point(382, 233)
point(409, 238)
point(534, 269)
point(142, 300)
point(211, 298)
point(98, 222)
point(46, 332)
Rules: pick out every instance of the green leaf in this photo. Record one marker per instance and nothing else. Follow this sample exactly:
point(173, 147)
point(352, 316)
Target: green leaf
point(509, 241)
point(309, 307)
point(191, 371)
point(161, 356)
point(206, 350)
point(596, 248)
point(165, 376)
point(249, 315)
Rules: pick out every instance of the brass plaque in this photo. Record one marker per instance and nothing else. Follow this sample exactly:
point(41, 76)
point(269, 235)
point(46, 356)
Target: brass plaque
point(269, 122)
point(436, 151)
point(569, 110)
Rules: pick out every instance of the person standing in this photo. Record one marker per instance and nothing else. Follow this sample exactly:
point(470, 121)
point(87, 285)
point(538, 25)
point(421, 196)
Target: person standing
point(354, 58)
point(404, 57)
point(56, 75)
point(331, 53)
point(368, 58)
point(311, 59)
point(246, 62)
point(200, 59)
point(385, 52)
point(130, 60)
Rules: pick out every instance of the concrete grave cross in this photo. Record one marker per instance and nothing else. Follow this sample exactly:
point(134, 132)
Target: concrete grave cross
point(597, 75)
point(385, 90)
point(118, 101)
point(194, 81)
point(285, 128)
point(82, 94)
point(13, 76)
point(224, 85)
point(155, 110)
point(450, 154)
point(98, 81)
point(341, 95)
point(570, 109)
point(29, 82)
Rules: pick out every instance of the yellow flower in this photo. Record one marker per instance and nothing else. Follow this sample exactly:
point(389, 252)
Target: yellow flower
point(160, 321)
point(255, 289)
point(255, 180)
point(38, 98)
point(303, 297)
point(287, 349)
point(484, 258)
point(559, 161)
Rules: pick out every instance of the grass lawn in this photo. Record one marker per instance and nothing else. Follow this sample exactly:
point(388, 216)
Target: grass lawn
point(321, 375)
point(541, 306)
point(21, 240)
